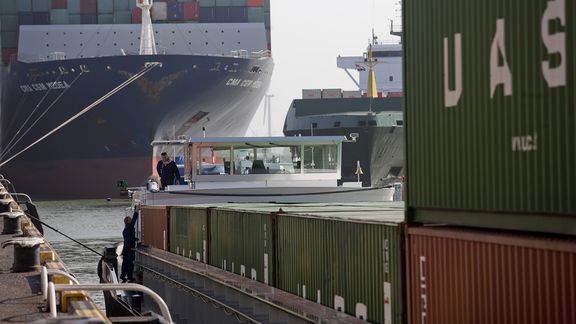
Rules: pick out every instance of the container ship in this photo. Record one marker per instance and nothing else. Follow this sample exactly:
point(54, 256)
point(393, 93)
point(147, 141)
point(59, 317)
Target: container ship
point(131, 75)
point(373, 113)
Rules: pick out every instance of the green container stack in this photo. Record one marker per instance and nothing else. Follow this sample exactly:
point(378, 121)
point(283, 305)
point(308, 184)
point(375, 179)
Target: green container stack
point(105, 7)
point(490, 144)
point(8, 7)
point(24, 5)
point(122, 5)
point(40, 5)
point(344, 263)
point(74, 19)
point(59, 17)
point(122, 17)
point(255, 14)
point(74, 8)
point(9, 22)
point(188, 232)
point(241, 243)
point(9, 39)
point(207, 3)
point(105, 18)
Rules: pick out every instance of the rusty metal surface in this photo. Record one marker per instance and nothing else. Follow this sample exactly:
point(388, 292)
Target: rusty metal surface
point(472, 276)
point(155, 226)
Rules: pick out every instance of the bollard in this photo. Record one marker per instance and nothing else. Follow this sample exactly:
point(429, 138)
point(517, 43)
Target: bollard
point(12, 222)
point(5, 204)
point(26, 253)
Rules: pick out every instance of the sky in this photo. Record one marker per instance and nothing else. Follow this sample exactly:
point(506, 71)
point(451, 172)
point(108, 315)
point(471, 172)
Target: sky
point(307, 36)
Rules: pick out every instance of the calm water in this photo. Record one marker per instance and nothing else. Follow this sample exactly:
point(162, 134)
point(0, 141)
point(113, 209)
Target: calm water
point(95, 223)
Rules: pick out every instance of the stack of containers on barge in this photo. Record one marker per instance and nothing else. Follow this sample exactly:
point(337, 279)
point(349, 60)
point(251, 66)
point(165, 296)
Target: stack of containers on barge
point(211, 68)
point(490, 156)
point(347, 256)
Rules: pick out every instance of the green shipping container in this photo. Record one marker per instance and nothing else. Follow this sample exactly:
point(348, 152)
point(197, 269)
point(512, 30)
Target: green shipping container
point(255, 14)
point(9, 39)
point(24, 5)
point(59, 17)
point(241, 242)
point(105, 19)
point(267, 5)
point(74, 19)
point(352, 265)
point(267, 20)
point(490, 119)
point(223, 3)
point(122, 17)
point(9, 22)
point(207, 3)
point(189, 232)
point(8, 7)
point(40, 5)
point(237, 3)
point(74, 8)
point(105, 6)
point(122, 5)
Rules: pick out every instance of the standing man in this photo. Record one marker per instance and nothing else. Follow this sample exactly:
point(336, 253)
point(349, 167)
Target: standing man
point(168, 171)
point(128, 254)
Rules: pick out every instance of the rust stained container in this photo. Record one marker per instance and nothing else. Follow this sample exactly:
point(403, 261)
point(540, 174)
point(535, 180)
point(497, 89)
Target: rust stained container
point(154, 226)
point(474, 276)
point(490, 91)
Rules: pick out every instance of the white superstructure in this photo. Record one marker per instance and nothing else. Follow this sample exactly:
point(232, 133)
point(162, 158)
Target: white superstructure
point(388, 67)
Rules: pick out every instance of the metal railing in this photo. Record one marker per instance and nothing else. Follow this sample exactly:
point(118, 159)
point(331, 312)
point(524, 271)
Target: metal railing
point(52, 289)
point(49, 290)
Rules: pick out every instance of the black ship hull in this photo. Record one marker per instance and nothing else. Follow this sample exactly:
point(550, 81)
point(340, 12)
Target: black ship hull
point(111, 142)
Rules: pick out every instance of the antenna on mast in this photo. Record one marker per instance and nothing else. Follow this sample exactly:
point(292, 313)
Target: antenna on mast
point(147, 43)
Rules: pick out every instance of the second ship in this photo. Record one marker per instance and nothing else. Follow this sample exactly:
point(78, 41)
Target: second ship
point(199, 77)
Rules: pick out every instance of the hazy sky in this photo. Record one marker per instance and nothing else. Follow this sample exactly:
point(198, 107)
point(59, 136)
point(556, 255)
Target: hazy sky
point(307, 36)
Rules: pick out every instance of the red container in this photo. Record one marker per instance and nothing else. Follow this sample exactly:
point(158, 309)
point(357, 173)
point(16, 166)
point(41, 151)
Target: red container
point(136, 16)
point(255, 3)
point(59, 4)
point(8, 54)
point(88, 7)
point(473, 276)
point(154, 228)
point(191, 10)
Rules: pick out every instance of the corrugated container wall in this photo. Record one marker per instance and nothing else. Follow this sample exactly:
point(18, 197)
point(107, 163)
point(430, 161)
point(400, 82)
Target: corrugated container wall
point(25, 18)
point(9, 22)
point(74, 6)
point(40, 5)
point(241, 242)
point(189, 232)
point(9, 7)
point(154, 226)
point(159, 11)
point(472, 276)
point(59, 16)
point(122, 5)
point(24, 5)
point(490, 118)
point(356, 267)
point(105, 6)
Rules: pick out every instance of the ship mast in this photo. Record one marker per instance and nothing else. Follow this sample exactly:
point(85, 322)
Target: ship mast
point(147, 43)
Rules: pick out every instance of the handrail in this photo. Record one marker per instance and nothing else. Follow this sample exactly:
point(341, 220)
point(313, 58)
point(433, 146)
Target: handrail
point(18, 194)
point(107, 287)
point(44, 272)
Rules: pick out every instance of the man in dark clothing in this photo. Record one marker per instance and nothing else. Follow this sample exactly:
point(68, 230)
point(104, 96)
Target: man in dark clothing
point(168, 171)
point(128, 255)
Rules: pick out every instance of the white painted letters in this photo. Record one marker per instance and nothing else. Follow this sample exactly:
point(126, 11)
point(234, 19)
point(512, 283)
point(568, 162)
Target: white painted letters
point(555, 43)
point(499, 74)
point(451, 97)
